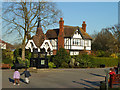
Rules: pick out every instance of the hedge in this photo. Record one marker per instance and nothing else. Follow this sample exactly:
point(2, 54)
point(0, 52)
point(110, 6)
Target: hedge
point(108, 61)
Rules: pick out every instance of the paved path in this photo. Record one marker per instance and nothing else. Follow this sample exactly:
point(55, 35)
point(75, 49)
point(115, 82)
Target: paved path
point(58, 78)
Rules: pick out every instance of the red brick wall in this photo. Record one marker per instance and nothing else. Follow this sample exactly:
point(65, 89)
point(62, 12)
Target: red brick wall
point(54, 52)
point(89, 52)
point(61, 34)
point(86, 51)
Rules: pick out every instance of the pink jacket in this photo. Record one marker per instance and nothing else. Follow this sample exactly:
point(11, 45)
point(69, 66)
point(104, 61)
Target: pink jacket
point(16, 75)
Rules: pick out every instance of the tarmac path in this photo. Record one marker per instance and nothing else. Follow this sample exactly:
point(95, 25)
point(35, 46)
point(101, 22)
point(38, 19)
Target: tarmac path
point(57, 78)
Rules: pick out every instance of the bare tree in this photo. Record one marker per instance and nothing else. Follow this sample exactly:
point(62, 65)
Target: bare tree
point(115, 30)
point(21, 18)
point(105, 41)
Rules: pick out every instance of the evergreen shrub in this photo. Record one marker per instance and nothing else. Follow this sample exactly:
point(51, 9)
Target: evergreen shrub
point(64, 65)
point(7, 56)
point(51, 65)
point(61, 56)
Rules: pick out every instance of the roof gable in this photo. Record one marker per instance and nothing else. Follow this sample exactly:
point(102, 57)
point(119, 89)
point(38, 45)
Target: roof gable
point(77, 34)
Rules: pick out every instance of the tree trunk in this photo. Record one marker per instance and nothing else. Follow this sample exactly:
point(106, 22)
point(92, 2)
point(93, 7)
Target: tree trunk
point(23, 52)
point(23, 46)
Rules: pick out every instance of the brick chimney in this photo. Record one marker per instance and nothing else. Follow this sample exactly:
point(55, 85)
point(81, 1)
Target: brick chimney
point(84, 26)
point(61, 34)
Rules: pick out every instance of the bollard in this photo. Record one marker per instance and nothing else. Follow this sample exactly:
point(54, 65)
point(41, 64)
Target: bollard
point(107, 77)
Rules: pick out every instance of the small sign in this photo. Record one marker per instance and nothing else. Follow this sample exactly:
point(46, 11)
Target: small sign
point(42, 62)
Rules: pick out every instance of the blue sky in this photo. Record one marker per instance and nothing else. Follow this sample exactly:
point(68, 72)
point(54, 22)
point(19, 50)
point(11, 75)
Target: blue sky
point(97, 15)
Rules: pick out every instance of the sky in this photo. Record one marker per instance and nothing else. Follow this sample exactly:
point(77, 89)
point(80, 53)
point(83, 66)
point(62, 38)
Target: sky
point(97, 15)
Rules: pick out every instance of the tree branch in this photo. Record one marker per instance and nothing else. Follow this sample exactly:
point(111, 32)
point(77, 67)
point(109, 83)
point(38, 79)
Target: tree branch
point(12, 21)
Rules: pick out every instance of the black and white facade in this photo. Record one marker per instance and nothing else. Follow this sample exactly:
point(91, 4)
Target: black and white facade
point(74, 39)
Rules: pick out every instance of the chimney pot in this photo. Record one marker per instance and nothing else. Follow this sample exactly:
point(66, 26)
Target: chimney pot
point(84, 26)
point(61, 18)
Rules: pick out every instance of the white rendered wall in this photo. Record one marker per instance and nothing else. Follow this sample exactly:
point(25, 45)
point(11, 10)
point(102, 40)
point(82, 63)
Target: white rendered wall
point(77, 35)
point(80, 46)
point(2, 45)
point(30, 46)
point(54, 43)
point(46, 44)
point(74, 52)
point(88, 44)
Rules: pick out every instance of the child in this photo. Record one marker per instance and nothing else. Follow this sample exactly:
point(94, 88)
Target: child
point(27, 75)
point(16, 76)
point(112, 72)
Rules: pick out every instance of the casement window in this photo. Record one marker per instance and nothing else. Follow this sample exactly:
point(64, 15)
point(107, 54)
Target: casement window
point(77, 42)
point(87, 43)
point(67, 43)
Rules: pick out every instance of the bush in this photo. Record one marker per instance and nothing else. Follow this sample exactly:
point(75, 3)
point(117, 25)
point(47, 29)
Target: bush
point(25, 62)
point(91, 61)
point(51, 65)
point(114, 55)
point(18, 52)
point(50, 58)
point(72, 63)
point(84, 60)
point(7, 61)
point(28, 54)
point(64, 65)
point(101, 53)
point(7, 56)
point(60, 57)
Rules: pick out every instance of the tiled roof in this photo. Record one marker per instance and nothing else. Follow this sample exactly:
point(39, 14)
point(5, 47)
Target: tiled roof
point(68, 32)
point(39, 37)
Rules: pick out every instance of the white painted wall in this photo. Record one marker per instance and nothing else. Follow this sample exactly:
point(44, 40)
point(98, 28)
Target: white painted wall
point(77, 38)
point(2, 46)
point(88, 44)
point(30, 46)
point(77, 35)
point(46, 44)
point(54, 43)
point(74, 52)
point(77, 47)
point(88, 48)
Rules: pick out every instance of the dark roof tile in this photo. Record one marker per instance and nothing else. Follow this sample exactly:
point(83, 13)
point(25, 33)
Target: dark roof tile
point(68, 32)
